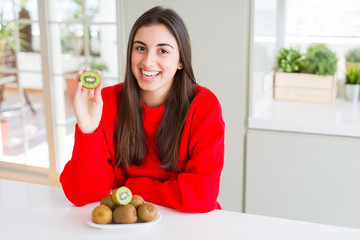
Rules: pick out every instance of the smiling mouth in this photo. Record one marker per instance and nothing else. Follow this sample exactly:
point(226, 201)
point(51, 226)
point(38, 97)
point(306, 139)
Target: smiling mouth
point(149, 74)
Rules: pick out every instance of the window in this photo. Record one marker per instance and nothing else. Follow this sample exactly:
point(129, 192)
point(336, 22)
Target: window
point(297, 24)
point(47, 43)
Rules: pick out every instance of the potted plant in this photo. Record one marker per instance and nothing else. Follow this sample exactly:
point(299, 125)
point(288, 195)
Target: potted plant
point(352, 58)
point(309, 77)
point(289, 60)
point(352, 84)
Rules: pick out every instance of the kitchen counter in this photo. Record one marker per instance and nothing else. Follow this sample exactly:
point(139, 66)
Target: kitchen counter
point(31, 211)
point(340, 118)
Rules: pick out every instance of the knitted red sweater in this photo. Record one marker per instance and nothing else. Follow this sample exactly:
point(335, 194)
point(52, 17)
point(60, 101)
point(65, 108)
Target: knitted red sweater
point(91, 173)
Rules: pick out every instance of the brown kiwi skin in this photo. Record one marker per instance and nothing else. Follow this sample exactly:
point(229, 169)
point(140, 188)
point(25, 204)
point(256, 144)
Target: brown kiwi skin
point(107, 201)
point(125, 214)
point(136, 201)
point(102, 215)
point(147, 212)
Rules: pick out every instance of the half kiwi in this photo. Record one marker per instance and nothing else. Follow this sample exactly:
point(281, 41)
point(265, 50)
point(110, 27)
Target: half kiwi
point(90, 79)
point(121, 195)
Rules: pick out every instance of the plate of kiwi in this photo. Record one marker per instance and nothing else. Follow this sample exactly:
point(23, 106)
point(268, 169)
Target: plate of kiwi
point(122, 209)
point(113, 225)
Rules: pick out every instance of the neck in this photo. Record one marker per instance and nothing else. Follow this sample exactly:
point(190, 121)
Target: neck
point(152, 100)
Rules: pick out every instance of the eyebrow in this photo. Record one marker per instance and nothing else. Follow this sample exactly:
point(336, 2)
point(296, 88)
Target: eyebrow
point(158, 45)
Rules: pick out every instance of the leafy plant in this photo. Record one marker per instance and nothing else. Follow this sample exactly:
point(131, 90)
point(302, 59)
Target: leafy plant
point(95, 66)
point(353, 55)
point(7, 37)
point(353, 76)
point(6, 32)
point(320, 60)
point(289, 60)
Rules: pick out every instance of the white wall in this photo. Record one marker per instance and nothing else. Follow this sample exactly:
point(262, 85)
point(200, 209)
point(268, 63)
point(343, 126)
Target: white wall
point(219, 36)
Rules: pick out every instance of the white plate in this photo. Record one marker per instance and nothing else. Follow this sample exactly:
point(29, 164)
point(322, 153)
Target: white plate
point(121, 226)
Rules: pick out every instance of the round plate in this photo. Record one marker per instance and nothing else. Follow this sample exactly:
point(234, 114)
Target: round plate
point(121, 226)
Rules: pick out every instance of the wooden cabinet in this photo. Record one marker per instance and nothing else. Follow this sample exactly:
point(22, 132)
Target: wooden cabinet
point(306, 177)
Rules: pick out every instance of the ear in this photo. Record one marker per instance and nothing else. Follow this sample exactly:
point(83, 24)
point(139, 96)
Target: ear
point(180, 66)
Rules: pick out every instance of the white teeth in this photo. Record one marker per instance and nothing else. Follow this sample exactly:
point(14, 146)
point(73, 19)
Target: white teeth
point(148, 73)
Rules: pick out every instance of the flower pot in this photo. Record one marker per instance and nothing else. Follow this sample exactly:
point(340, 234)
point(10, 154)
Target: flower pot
point(70, 87)
point(4, 127)
point(352, 65)
point(304, 87)
point(352, 92)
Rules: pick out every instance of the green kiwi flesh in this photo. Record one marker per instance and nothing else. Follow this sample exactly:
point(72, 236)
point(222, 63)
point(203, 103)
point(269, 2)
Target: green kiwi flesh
point(90, 79)
point(121, 196)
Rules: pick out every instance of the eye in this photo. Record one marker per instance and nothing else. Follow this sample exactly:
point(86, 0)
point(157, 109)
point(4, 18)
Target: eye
point(163, 51)
point(140, 48)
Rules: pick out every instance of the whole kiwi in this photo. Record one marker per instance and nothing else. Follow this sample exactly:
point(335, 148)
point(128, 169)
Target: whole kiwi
point(136, 201)
point(147, 212)
point(102, 214)
point(125, 214)
point(107, 201)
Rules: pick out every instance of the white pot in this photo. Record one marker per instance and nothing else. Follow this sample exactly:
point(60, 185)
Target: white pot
point(352, 92)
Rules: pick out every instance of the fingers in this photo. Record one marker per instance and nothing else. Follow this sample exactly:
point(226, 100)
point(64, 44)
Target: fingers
point(97, 93)
point(80, 72)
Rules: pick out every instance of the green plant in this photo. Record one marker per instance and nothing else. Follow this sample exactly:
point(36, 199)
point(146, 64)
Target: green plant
point(353, 76)
point(7, 38)
point(320, 60)
point(289, 60)
point(6, 32)
point(95, 66)
point(353, 55)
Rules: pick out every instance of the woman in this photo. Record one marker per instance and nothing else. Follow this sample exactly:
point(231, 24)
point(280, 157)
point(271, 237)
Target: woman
point(158, 133)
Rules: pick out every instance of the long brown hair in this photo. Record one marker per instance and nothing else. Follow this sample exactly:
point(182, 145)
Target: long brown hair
point(129, 138)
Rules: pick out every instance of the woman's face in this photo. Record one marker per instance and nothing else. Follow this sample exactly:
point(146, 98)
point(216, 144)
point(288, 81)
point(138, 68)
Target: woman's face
point(155, 59)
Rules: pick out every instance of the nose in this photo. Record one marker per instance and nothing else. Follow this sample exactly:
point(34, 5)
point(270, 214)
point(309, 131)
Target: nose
point(149, 59)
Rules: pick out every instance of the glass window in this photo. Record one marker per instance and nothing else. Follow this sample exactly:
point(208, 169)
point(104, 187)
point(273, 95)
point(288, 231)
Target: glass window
point(298, 23)
point(81, 33)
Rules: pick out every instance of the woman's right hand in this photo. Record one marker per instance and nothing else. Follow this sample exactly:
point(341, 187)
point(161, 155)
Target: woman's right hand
point(88, 105)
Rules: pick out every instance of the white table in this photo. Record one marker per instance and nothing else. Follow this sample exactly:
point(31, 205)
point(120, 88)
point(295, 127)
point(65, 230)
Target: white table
point(31, 211)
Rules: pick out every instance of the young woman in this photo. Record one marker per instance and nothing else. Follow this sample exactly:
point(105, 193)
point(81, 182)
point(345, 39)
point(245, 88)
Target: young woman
point(158, 133)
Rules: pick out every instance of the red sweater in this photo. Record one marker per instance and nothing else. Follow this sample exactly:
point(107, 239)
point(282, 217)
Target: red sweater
point(91, 173)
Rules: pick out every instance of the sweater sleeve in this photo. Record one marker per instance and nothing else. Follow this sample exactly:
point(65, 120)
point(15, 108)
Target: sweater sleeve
point(196, 188)
point(88, 176)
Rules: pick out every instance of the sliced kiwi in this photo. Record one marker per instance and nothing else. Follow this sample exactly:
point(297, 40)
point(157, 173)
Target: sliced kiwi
point(90, 79)
point(107, 201)
point(147, 212)
point(102, 214)
point(121, 196)
point(125, 214)
point(136, 201)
